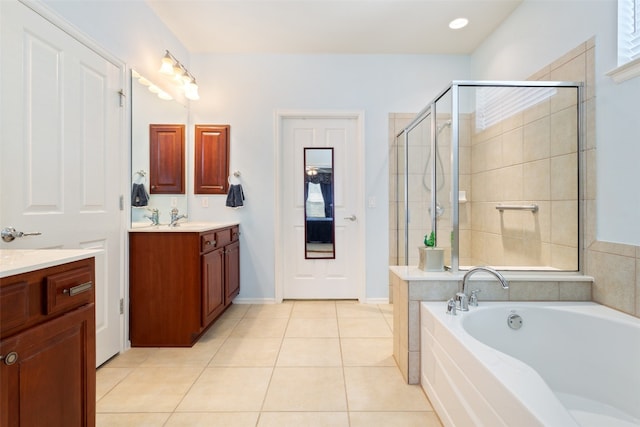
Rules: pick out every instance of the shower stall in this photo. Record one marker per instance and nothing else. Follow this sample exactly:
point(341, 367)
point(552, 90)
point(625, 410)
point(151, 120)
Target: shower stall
point(493, 170)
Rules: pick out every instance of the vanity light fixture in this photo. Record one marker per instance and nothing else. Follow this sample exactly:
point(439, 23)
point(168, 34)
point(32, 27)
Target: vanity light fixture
point(170, 66)
point(151, 87)
point(458, 23)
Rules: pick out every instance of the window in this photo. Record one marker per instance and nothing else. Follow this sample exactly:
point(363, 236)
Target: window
point(628, 41)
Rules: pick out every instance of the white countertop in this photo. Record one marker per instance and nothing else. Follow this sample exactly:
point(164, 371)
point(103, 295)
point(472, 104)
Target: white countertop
point(17, 261)
point(182, 227)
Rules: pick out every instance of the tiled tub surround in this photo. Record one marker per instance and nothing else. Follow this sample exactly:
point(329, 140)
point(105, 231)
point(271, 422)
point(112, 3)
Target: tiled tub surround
point(411, 286)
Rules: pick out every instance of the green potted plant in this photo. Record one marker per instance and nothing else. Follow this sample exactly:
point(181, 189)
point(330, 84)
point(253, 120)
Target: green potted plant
point(431, 257)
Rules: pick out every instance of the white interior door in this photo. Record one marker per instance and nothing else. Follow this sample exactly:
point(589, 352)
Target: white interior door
point(60, 150)
point(339, 278)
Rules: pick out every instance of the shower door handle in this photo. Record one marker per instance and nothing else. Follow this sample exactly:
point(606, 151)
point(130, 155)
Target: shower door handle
point(351, 218)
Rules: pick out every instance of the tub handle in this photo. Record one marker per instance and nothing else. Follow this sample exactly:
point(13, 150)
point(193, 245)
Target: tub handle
point(473, 299)
point(451, 307)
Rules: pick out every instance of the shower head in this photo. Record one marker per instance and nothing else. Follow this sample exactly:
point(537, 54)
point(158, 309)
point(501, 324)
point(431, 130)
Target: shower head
point(443, 126)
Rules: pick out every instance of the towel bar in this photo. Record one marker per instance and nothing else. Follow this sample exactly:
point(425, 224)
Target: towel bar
point(533, 208)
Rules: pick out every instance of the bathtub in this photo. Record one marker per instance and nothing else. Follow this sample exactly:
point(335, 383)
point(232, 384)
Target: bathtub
point(569, 364)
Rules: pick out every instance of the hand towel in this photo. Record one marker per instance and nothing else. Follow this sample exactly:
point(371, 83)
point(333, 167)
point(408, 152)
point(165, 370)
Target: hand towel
point(139, 195)
point(235, 197)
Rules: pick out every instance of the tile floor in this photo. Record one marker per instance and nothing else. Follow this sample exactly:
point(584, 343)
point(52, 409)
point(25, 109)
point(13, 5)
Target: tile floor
point(302, 363)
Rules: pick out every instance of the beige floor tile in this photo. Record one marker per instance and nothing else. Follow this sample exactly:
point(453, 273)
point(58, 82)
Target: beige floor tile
point(310, 352)
point(386, 308)
point(131, 358)
point(213, 419)
point(247, 352)
point(355, 327)
point(312, 328)
point(394, 419)
point(107, 378)
point(221, 329)
point(306, 389)
point(389, 319)
point(260, 328)
point(149, 390)
point(355, 309)
point(196, 356)
point(131, 420)
point(227, 389)
point(306, 419)
point(382, 389)
point(313, 309)
point(237, 310)
point(270, 310)
point(367, 352)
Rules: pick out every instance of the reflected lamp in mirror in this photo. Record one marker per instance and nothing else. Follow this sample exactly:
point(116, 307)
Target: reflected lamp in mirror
point(318, 203)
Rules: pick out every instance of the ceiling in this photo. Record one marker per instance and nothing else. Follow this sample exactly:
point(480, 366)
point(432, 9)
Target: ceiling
point(331, 26)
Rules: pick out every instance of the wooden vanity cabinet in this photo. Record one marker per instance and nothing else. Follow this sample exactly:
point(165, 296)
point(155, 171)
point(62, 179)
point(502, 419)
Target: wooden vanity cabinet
point(166, 158)
point(178, 284)
point(211, 159)
point(48, 348)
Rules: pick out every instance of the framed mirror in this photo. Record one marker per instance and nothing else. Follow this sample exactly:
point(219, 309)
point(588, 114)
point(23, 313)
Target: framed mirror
point(150, 106)
point(318, 203)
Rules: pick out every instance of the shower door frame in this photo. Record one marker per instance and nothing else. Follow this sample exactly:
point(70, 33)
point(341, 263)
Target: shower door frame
point(430, 110)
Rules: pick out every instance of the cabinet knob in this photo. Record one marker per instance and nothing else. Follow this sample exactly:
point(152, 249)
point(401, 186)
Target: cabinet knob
point(209, 242)
point(10, 358)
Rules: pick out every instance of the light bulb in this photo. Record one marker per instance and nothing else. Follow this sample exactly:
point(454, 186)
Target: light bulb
point(167, 64)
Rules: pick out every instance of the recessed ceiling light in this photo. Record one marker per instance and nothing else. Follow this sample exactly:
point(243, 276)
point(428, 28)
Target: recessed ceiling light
point(458, 23)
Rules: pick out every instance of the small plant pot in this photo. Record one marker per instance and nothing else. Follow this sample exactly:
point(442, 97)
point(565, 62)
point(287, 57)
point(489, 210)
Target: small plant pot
point(431, 259)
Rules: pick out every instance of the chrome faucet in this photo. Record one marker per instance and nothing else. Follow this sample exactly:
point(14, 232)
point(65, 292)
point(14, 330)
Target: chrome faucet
point(175, 217)
point(154, 217)
point(462, 301)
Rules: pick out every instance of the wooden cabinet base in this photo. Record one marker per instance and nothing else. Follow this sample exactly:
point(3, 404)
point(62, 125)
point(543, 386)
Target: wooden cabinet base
point(177, 284)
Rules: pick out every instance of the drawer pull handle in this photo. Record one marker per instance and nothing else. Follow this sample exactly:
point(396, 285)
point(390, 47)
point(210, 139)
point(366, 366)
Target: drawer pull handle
point(209, 242)
point(78, 289)
point(10, 358)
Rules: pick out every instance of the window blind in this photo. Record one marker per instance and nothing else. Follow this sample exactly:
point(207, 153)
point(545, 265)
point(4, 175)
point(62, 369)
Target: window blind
point(628, 31)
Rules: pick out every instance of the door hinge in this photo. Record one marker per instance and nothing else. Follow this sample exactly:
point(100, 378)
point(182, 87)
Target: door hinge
point(121, 202)
point(121, 305)
point(122, 97)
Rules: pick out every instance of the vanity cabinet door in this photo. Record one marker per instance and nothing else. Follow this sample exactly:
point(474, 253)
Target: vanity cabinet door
point(52, 380)
point(211, 159)
point(232, 271)
point(166, 159)
point(212, 285)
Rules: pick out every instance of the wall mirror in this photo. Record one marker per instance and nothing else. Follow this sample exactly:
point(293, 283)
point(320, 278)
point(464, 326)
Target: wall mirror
point(149, 105)
point(318, 206)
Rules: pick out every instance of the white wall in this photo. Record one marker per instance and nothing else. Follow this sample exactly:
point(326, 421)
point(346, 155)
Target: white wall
point(246, 90)
point(537, 33)
point(129, 30)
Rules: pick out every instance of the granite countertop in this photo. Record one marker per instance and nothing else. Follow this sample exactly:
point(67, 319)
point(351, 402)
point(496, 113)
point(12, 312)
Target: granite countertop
point(17, 261)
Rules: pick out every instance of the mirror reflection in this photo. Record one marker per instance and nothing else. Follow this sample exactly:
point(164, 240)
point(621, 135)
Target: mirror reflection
point(318, 207)
point(149, 105)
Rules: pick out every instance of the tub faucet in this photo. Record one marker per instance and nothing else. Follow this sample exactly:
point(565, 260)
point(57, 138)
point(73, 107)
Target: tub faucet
point(175, 217)
point(154, 217)
point(462, 300)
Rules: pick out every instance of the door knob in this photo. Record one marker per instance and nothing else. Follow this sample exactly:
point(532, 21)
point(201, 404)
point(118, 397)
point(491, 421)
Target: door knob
point(350, 218)
point(9, 234)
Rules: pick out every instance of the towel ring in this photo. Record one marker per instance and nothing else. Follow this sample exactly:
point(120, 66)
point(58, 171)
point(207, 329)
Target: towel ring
point(235, 174)
point(140, 176)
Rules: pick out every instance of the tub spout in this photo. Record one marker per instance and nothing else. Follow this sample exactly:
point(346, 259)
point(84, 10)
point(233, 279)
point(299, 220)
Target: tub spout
point(461, 297)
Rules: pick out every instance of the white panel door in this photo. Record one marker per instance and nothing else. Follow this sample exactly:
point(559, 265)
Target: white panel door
point(337, 278)
point(60, 150)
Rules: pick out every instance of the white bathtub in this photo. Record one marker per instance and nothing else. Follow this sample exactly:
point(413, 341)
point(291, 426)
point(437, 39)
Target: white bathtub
point(570, 364)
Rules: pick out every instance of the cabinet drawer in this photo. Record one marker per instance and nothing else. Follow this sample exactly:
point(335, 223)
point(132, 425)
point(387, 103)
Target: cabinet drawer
point(235, 233)
point(14, 305)
point(208, 242)
point(69, 289)
point(223, 237)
